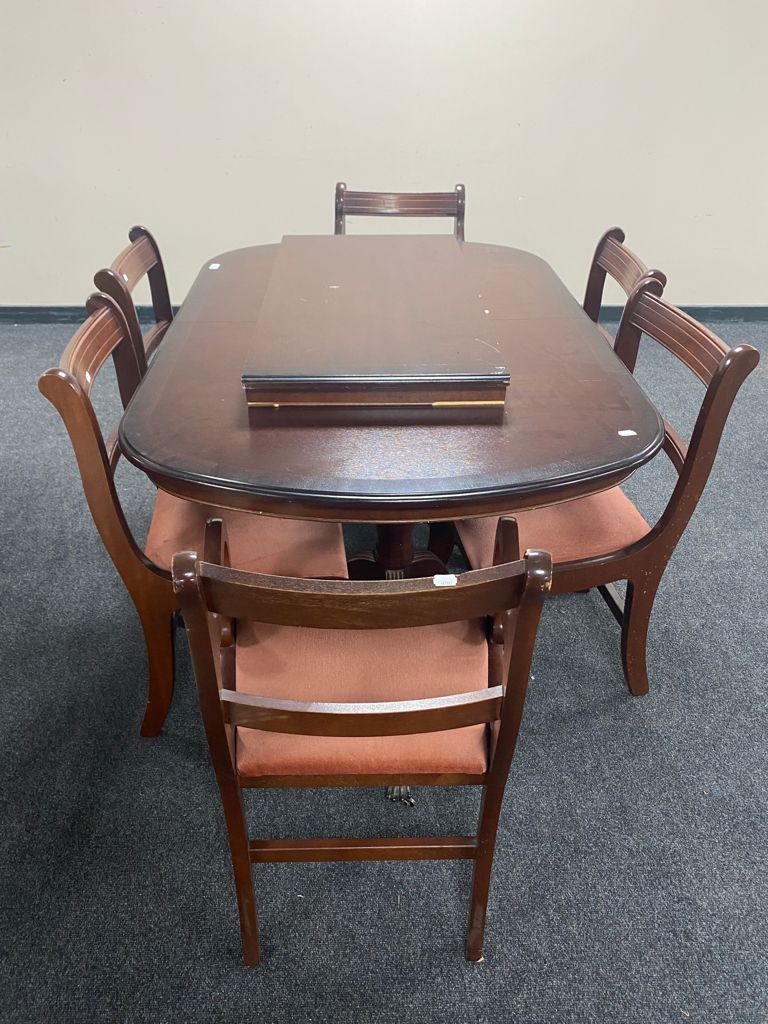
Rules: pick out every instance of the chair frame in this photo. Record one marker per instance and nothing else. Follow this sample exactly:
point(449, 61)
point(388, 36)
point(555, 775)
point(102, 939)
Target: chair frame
point(213, 597)
point(68, 387)
point(399, 204)
point(628, 270)
point(118, 281)
point(722, 370)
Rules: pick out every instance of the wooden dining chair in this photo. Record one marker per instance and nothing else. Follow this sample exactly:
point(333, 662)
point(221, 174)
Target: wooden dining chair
point(258, 542)
point(613, 258)
point(400, 204)
point(309, 683)
point(601, 539)
point(140, 258)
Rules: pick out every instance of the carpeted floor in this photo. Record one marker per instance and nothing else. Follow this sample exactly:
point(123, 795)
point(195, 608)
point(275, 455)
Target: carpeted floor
point(630, 880)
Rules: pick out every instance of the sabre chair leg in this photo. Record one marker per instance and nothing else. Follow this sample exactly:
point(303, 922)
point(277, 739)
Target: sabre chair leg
point(237, 834)
point(158, 626)
point(638, 606)
point(246, 908)
point(481, 878)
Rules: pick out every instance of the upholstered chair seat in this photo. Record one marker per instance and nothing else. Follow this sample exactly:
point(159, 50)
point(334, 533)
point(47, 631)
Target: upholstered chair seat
point(578, 529)
point(330, 665)
point(280, 547)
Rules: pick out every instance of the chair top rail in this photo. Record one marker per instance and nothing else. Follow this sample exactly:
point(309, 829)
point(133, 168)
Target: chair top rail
point(103, 334)
point(343, 604)
point(136, 260)
point(433, 204)
point(694, 344)
point(621, 263)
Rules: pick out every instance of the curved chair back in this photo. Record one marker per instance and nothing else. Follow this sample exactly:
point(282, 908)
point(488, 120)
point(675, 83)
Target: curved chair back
point(399, 204)
point(68, 387)
point(140, 258)
point(720, 368)
point(613, 258)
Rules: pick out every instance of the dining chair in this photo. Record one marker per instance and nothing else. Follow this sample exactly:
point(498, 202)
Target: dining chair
point(400, 204)
point(601, 539)
point(613, 258)
point(140, 258)
point(327, 683)
point(258, 542)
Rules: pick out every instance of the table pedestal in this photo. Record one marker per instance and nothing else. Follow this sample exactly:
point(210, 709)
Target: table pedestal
point(394, 557)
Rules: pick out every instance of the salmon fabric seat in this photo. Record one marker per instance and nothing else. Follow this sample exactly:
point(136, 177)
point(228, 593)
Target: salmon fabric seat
point(572, 530)
point(361, 666)
point(280, 547)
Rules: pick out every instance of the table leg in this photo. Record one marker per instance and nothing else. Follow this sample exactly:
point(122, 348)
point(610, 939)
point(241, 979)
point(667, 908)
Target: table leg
point(394, 558)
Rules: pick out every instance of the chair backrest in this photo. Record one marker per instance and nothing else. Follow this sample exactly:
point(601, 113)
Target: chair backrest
point(400, 204)
point(68, 387)
point(614, 258)
point(140, 258)
point(210, 593)
point(719, 367)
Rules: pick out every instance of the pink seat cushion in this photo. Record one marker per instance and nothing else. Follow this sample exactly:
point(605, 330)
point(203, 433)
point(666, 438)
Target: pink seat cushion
point(360, 666)
point(582, 528)
point(282, 547)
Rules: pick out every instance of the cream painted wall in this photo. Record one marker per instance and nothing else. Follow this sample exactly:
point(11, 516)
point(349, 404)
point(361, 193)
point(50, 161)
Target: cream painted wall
point(223, 124)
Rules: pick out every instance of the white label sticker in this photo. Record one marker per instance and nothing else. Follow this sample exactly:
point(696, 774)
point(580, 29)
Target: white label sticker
point(449, 580)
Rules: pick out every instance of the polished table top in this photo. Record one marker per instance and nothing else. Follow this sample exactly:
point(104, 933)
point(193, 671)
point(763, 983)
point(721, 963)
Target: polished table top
point(575, 420)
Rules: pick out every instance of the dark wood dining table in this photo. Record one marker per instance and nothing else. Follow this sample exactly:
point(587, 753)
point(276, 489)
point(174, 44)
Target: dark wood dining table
point(575, 420)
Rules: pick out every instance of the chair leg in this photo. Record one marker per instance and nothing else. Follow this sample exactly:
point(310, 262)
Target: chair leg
point(481, 882)
point(158, 624)
point(246, 908)
point(237, 834)
point(638, 605)
point(481, 876)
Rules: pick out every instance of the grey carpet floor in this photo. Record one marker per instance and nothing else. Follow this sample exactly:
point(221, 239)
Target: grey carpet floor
point(630, 879)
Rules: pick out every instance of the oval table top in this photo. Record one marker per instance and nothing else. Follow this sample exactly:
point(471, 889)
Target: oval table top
point(575, 420)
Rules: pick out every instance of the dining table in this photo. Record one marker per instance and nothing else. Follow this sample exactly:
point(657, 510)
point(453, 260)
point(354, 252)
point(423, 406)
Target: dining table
point(574, 421)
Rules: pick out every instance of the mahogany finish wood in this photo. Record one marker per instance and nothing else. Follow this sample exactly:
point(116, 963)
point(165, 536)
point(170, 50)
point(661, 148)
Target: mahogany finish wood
point(399, 204)
point(268, 851)
point(628, 270)
point(570, 407)
point(722, 370)
point(68, 388)
point(393, 718)
point(372, 321)
point(142, 257)
point(394, 557)
point(209, 592)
